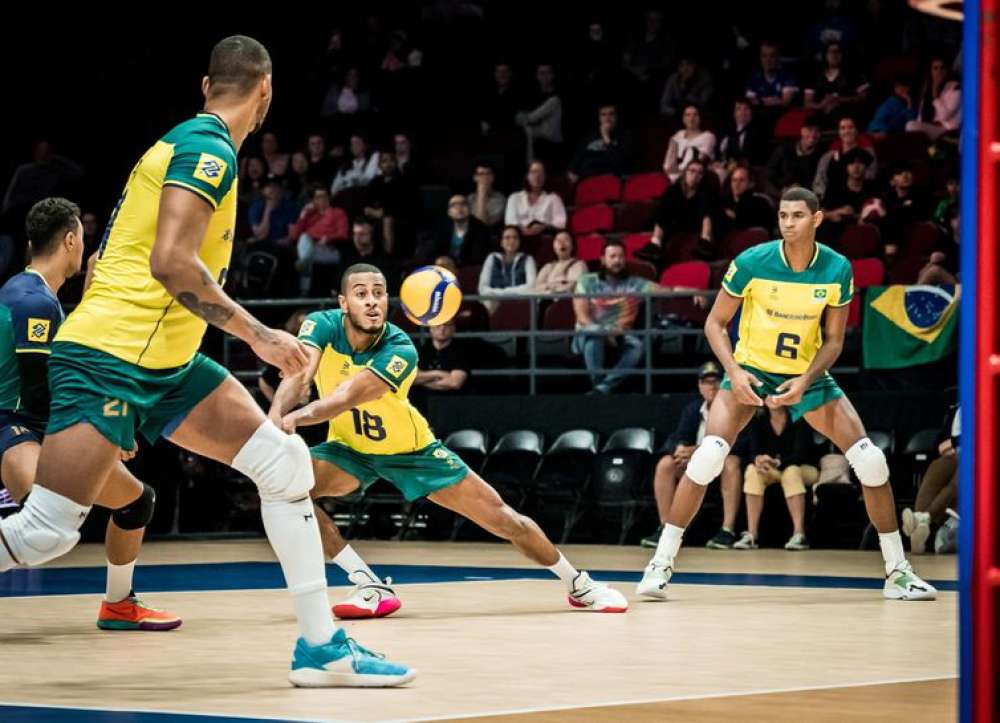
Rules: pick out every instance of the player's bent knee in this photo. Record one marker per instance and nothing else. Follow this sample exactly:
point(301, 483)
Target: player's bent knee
point(47, 527)
point(138, 513)
point(707, 461)
point(868, 463)
point(278, 463)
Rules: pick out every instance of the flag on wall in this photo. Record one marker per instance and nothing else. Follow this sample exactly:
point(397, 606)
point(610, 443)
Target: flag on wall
point(909, 325)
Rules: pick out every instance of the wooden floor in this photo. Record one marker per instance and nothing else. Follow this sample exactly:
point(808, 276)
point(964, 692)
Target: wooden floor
point(775, 647)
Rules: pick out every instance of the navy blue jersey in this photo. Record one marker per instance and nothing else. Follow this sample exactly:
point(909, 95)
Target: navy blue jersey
point(30, 315)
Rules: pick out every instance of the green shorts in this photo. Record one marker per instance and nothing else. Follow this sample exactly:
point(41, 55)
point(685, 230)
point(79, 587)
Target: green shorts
point(415, 474)
point(821, 391)
point(117, 397)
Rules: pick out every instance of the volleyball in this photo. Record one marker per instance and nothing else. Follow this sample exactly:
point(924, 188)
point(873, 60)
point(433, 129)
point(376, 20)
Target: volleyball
point(430, 296)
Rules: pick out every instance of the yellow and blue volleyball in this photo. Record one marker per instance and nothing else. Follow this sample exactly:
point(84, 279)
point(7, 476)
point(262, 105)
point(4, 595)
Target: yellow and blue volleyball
point(430, 296)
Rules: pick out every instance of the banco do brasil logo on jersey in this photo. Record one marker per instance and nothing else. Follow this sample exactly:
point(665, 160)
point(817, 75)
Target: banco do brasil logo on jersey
point(210, 169)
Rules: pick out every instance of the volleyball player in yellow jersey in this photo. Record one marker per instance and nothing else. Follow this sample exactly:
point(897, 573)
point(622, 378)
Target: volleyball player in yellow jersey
point(364, 367)
point(795, 295)
point(127, 358)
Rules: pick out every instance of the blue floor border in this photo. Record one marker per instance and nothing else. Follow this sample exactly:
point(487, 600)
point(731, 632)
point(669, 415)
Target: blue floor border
point(41, 714)
point(267, 576)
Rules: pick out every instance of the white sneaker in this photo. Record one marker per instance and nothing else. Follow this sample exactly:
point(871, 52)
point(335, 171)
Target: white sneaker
point(596, 596)
point(654, 581)
point(920, 531)
point(371, 598)
point(746, 542)
point(797, 543)
point(903, 584)
point(946, 539)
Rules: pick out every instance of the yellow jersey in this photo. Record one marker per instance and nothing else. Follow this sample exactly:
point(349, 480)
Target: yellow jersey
point(780, 327)
point(390, 424)
point(126, 312)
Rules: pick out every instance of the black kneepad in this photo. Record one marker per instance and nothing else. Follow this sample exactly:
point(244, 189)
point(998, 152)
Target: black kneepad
point(138, 513)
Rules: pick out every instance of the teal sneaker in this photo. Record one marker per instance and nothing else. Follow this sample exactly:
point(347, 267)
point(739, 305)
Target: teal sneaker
point(342, 663)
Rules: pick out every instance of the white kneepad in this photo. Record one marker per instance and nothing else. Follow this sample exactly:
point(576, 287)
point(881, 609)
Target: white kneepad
point(868, 463)
point(278, 463)
point(47, 527)
point(707, 461)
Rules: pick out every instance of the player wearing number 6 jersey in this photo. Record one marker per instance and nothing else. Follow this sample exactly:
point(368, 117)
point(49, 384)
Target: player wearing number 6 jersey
point(795, 295)
point(363, 367)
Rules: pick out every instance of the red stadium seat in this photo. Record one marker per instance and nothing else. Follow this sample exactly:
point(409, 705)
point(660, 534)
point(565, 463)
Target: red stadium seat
point(689, 274)
point(633, 216)
point(589, 247)
point(920, 240)
point(645, 187)
point(472, 316)
point(736, 242)
point(511, 315)
point(559, 315)
point(867, 272)
point(598, 189)
point(642, 268)
point(789, 124)
point(635, 241)
point(906, 270)
point(468, 278)
point(860, 241)
point(592, 218)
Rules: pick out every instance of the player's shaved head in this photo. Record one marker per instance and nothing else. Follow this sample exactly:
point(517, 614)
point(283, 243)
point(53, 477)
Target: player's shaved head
point(345, 282)
point(237, 64)
point(48, 222)
point(802, 194)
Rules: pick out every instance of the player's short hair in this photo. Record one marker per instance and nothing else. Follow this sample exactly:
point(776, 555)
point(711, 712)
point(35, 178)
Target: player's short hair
point(797, 193)
point(237, 63)
point(357, 269)
point(48, 222)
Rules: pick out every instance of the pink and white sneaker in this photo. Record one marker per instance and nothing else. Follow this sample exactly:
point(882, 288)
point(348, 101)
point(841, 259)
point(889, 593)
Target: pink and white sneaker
point(371, 598)
point(596, 596)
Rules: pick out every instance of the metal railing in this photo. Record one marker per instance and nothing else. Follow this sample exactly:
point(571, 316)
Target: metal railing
point(648, 331)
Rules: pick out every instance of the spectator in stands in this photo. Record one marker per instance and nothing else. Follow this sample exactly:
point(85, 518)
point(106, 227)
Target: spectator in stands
point(844, 201)
point(940, 107)
point(47, 174)
point(271, 217)
point(444, 362)
point(535, 210)
point(782, 451)
point(682, 444)
point(896, 111)
point(91, 230)
point(595, 62)
point(834, 87)
point(253, 174)
point(464, 237)
point(406, 161)
point(322, 167)
point(605, 321)
point(318, 233)
point(648, 54)
point(771, 85)
point(603, 152)
point(279, 167)
point(746, 140)
point(272, 154)
point(389, 205)
point(359, 169)
point(794, 163)
point(687, 206)
point(560, 276)
point(486, 202)
point(542, 118)
point(297, 181)
point(938, 491)
point(740, 207)
point(942, 267)
point(501, 104)
point(690, 142)
point(831, 167)
point(902, 206)
point(447, 263)
point(347, 97)
point(364, 250)
point(508, 271)
point(690, 84)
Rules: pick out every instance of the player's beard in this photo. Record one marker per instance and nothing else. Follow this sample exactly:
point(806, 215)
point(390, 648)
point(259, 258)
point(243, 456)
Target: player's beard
point(362, 325)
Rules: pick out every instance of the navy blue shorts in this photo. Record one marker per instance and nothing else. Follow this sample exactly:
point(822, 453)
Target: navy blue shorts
point(16, 428)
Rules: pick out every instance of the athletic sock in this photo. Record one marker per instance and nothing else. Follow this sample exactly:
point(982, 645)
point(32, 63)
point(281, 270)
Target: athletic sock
point(670, 543)
point(294, 534)
point(350, 562)
point(892, 550)
point(119, 581)
point(564, 571)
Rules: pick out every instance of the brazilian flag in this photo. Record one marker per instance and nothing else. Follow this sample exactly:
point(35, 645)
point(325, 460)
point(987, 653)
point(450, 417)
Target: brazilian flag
point(909, 325)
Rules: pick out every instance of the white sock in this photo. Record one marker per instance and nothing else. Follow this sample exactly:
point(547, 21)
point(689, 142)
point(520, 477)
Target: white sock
point(564, 571)
point(294, 534)
point(670, 543)
point(350, 562)
point(892, 550)
point(119, 583)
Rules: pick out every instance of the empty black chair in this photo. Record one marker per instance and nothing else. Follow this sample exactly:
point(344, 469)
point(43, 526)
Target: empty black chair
point(621, 471)
point(469, 445)
point(564, 474)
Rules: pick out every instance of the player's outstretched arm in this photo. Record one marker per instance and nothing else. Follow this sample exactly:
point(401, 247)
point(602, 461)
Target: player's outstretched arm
point(359, 389)
point(294, 389)
point(723, 310)
point(174, 262)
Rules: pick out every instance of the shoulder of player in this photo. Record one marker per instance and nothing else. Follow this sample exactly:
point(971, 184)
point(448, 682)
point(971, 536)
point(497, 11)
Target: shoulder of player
point(394, 336)
point(831, 260)
point(756, 255)
point(205, 133)
point(29, 291)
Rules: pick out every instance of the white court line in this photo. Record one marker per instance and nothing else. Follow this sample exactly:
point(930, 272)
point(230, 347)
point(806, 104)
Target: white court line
point(670, 699)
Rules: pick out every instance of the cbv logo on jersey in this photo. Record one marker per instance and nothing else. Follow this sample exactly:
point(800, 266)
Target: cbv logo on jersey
point(819, 294)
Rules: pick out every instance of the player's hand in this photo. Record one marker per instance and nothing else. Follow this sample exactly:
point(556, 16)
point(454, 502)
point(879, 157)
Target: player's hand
point(280, 349)
point(788, 392)
point(127, 454)
point(743, 384)
point(289, 423)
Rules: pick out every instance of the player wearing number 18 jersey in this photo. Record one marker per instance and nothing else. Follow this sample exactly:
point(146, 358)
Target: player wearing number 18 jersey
point(795, 295)
point(364, 367)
